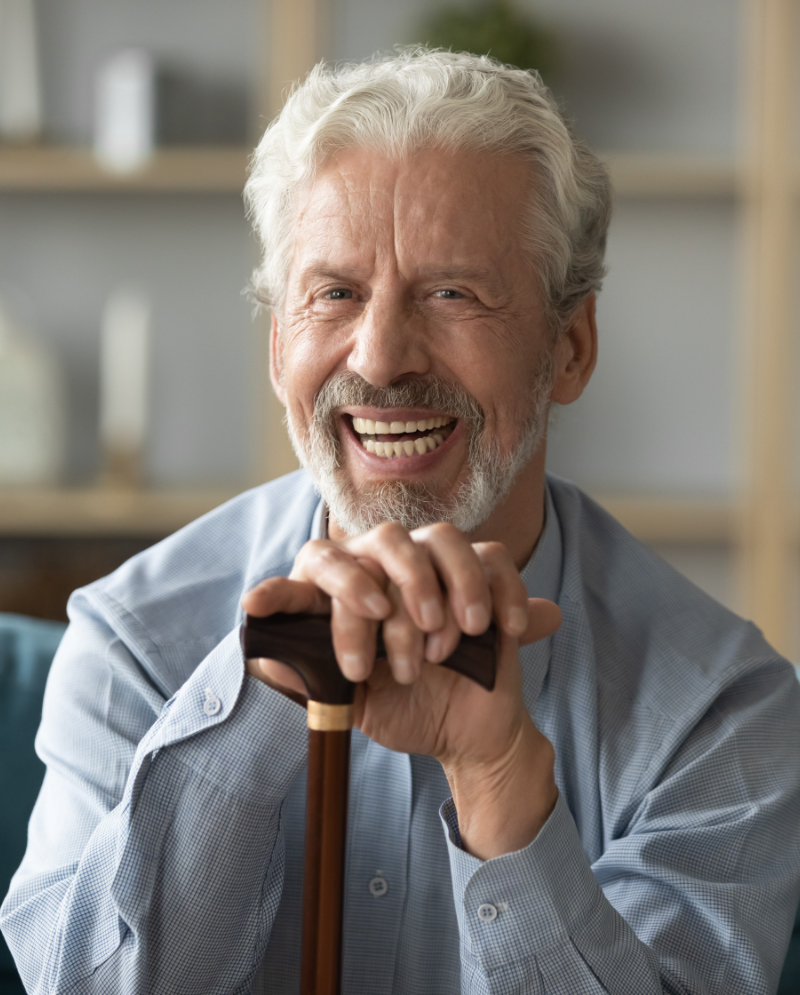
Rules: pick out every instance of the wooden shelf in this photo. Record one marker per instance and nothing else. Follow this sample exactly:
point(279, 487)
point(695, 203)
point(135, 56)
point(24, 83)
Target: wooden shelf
point(684, 520)
point(665, 520)
point(636, 175)
point(103, 511)
point(222, 170)
point(219, 169)
point(214, 169)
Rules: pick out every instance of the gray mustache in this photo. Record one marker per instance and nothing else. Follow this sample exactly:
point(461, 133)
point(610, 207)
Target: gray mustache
point(349, 388)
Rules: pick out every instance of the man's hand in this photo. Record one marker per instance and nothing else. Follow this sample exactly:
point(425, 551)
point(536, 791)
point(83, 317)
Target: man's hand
point(425, 588)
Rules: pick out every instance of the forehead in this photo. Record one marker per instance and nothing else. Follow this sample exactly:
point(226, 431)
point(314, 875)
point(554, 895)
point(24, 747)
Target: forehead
point(460, 207)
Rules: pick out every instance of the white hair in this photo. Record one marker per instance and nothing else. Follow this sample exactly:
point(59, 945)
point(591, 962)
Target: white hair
point(421, 98)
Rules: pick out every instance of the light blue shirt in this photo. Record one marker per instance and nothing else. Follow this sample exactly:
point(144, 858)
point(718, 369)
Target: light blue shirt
point(165, 852)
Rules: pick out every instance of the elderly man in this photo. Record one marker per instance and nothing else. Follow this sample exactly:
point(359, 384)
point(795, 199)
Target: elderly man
point(621, 815)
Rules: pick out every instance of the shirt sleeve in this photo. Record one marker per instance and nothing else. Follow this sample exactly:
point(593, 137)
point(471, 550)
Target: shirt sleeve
point(696, 897)
point(155, 855)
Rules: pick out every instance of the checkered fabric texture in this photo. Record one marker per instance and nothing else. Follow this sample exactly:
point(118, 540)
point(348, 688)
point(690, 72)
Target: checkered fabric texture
point(165, 850)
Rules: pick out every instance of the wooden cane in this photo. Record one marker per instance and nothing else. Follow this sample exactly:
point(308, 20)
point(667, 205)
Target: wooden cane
point(303, 642)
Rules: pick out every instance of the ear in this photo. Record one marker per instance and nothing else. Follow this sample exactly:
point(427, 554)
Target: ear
point(575, 353)
point(276, 360)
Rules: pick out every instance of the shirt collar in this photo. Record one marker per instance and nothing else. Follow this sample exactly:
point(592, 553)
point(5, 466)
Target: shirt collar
point(542, 577)
point(319, 523)
point(542, 573)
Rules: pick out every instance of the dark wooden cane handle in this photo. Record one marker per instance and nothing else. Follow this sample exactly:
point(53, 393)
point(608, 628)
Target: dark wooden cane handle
point(304, 643)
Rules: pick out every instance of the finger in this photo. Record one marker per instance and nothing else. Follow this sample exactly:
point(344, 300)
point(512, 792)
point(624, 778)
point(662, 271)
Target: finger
point(334, 570)
point(462, 573)
point(407, 565)
point(544, 618)
point(509, 596)
point(353, 641)
point(441, 644)
point(403, 639)
point(281, 594)
point(278, 676)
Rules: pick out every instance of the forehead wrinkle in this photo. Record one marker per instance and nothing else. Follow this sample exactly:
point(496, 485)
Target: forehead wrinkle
point(427, 204)
point(347, 215)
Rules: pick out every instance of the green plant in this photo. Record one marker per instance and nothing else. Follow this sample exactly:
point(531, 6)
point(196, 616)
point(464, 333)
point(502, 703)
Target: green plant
point(494, 28)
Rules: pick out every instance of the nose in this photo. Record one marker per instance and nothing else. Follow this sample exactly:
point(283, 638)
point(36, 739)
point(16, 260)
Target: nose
point(389, 342)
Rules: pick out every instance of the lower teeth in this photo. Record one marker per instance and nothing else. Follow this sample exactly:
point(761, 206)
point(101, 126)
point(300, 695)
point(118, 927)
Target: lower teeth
point(408, 447)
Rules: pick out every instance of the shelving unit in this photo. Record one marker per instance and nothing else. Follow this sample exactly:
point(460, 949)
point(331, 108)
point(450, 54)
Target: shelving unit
point(760, 522)
point(99, 511)
point(50, 169)
point(223, 170)
point(636, 175)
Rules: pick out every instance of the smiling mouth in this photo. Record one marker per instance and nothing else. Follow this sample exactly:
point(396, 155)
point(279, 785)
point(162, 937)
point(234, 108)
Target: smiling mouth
point(399, 440)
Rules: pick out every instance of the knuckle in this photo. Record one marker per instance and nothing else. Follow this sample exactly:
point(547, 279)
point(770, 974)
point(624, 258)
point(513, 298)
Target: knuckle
point(442, 531)
point(401, 637)
point(492, 552)
point(326, 554)
point(311, 550)
point(390, 533)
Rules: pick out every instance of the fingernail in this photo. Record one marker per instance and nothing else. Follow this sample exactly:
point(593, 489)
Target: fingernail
point(517, 621)
point(402, 669)
point(477, 618)
point(434, 648)
point(352, 666)
point(432, 615)
point(377, 605)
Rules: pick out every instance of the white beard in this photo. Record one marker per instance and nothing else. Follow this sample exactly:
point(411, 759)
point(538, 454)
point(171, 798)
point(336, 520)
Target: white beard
point(408, 503)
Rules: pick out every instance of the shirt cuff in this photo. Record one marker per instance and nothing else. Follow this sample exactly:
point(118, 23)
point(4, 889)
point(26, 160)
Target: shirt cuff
point(226, 727)
point(516, 906)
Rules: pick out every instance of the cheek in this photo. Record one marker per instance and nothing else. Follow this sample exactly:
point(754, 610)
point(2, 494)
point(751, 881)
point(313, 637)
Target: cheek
point(308, 362)
point(504, 393)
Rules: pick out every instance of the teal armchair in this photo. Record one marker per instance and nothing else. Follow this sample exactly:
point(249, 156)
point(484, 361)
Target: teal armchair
point(27, 647)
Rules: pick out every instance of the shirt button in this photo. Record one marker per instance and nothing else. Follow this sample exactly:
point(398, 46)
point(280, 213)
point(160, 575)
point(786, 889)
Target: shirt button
point(487, 912)
point(212, 704)
point(378, 887)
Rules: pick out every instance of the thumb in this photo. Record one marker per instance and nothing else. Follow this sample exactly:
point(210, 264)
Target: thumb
point(544, 618)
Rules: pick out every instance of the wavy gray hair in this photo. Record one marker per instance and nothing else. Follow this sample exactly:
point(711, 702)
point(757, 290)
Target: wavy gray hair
point(416, 98)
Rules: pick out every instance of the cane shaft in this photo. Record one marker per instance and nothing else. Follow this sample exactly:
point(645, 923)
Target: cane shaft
point(326, 834)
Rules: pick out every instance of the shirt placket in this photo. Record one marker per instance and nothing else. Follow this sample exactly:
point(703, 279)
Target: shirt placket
point(377, 867)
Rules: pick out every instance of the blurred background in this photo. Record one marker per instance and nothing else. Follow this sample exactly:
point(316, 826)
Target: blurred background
point(133, 383)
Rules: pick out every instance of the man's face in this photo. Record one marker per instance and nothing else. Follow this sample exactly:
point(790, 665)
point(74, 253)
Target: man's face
point(414, 356)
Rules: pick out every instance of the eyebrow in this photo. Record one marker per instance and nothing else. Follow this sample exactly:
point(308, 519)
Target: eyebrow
point(324, 270)
point(464, 273)
point(327, 272)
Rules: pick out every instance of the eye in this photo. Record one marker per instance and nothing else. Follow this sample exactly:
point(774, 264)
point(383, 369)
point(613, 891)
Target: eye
point(448, 295)
point(339, 294)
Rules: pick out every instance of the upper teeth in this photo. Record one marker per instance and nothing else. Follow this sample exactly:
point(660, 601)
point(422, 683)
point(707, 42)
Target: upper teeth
point(366, 426)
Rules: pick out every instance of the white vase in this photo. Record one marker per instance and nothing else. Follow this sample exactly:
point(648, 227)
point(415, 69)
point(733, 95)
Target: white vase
point(31, 410)
point(20, 96)
point(124, 123)
point(124, 384)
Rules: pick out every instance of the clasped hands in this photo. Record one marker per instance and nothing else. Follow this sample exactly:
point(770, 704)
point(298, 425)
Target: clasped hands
point(424, 588)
